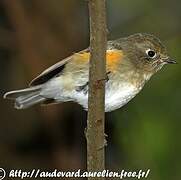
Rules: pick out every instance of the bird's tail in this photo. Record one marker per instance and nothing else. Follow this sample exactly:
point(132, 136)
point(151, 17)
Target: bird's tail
point(26, 97)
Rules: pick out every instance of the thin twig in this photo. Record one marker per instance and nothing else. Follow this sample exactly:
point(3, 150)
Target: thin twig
point(97, 75)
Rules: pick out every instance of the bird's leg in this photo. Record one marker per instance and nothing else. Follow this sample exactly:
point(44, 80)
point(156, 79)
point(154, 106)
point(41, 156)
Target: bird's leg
point(84, 87)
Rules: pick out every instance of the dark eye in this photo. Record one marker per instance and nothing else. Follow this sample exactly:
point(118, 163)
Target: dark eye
point(151, 53)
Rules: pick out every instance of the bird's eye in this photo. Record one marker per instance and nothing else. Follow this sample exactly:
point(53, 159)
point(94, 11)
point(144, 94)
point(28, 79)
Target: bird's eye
point(151, 53)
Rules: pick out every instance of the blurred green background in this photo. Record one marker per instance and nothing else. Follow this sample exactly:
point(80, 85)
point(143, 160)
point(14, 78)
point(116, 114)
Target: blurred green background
point(144, 134)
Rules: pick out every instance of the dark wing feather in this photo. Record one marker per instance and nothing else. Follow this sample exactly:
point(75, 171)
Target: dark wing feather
point(50, 72)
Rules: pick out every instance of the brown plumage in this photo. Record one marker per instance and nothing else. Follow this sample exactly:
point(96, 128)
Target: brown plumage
point(130, 62)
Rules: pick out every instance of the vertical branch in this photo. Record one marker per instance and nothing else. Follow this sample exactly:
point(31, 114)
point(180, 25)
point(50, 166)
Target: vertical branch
point(97, 72)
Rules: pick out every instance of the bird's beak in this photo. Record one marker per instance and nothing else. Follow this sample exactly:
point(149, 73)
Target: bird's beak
point(170, 61)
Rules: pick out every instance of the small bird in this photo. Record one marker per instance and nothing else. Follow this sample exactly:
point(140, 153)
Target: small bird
point(130, 62)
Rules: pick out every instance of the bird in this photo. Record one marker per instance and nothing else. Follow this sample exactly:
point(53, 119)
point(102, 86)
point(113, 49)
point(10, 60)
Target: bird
point(130, 63)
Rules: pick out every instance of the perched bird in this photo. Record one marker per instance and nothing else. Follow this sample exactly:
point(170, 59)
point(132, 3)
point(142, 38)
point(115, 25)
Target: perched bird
point(130, 62)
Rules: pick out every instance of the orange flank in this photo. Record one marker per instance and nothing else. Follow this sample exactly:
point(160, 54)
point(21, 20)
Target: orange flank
point(113, 57)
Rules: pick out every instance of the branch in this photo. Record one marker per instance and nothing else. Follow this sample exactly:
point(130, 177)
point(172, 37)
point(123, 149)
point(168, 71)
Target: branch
point(96, 101)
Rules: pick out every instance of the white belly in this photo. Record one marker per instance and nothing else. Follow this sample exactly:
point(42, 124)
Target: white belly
point(114, 97)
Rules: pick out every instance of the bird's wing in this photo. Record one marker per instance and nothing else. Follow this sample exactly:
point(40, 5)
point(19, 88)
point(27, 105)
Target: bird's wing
point(113, 57)
point(50, 72)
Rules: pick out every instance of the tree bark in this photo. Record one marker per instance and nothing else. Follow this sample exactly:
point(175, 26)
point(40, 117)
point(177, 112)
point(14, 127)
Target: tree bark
point(97, 76)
